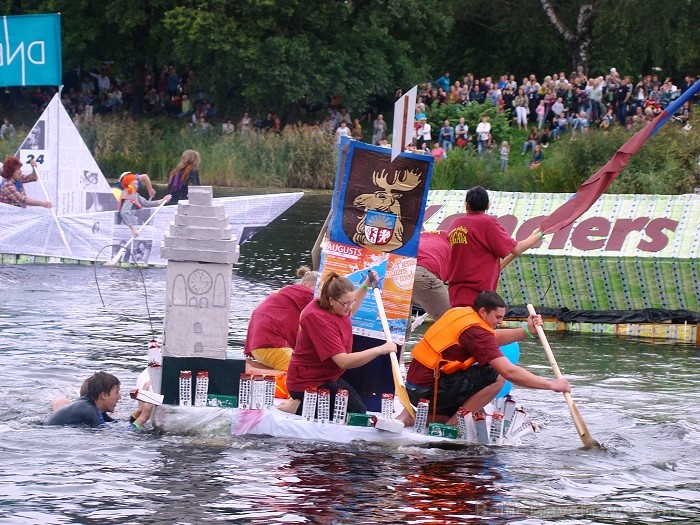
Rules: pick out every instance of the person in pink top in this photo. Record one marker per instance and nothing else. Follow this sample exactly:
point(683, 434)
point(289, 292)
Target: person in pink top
point(479, 243)
point(432, 270)
point(324, 345)
point(274, 324)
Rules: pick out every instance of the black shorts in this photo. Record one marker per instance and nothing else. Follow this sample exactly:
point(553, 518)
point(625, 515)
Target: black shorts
point(454, 389)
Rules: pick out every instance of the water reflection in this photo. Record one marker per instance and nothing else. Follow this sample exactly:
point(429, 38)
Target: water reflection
point(637, 398)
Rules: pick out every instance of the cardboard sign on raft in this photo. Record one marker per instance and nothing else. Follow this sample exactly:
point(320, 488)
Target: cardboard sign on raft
point(376, 218)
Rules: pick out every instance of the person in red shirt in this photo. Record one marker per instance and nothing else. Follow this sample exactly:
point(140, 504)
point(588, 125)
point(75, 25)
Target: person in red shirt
point(464, 333)
point(274, 324)
point(324, 345)
point(432, 269)
point(479, 243)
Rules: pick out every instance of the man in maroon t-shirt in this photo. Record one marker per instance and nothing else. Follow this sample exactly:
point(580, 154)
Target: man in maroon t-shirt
point(479, 243)
point(476, 386)
point(432, 269)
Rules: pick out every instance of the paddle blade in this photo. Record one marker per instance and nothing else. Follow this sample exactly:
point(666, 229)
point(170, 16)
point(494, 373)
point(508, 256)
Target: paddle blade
point(400, 387)
point(114, 260)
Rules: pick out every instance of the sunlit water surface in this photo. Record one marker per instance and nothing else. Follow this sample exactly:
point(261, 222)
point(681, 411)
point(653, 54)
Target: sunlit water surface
point(639, 399)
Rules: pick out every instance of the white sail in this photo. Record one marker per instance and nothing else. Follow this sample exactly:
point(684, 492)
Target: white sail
point(85, 206)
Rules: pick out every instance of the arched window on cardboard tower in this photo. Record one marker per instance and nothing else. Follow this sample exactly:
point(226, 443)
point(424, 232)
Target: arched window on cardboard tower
point(197, 328)
point(198, 348)
point(203, 302)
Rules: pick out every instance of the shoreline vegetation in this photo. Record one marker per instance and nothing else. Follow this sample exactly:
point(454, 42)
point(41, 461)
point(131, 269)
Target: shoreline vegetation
point(667, 164)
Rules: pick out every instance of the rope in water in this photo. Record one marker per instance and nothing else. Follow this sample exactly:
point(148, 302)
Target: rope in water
point(143, 280)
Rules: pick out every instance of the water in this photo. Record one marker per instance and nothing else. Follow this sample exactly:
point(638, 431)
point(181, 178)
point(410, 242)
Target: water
point(639, 399)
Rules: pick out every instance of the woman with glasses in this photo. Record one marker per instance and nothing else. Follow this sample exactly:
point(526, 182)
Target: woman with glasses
point(323, 350)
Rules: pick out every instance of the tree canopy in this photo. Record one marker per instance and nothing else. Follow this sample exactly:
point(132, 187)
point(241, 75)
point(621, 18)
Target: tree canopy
point(269, 54)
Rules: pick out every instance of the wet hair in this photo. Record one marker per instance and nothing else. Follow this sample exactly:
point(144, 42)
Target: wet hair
point(334, 286)
point(477, 199)
point(488, 301)
point(9, 166)
point(100, 382)
point(307, 276)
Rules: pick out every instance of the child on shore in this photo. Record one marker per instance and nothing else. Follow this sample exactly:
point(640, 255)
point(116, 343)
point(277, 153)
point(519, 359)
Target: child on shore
point(505, 151)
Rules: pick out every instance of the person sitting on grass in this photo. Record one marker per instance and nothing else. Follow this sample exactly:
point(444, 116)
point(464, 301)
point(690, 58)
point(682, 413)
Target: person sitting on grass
point(537, 157)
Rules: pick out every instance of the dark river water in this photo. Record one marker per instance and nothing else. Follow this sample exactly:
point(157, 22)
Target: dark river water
point(639, 399)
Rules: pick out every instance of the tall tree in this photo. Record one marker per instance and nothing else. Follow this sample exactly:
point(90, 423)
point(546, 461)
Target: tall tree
point(580, 39)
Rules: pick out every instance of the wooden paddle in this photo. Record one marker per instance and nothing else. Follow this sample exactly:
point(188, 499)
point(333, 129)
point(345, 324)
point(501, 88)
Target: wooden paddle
point(399, 385)
point(588, 441)
point(114, 260)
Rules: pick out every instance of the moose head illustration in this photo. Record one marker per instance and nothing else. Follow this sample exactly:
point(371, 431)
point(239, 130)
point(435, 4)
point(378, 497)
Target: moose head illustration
point(380, 226)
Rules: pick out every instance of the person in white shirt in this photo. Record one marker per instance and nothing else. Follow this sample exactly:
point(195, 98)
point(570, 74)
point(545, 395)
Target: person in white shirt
point(342, 131)
point(483, 130)
point(423, 133)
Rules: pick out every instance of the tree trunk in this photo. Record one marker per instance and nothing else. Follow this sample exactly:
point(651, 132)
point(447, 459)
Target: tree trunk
point(580, 41)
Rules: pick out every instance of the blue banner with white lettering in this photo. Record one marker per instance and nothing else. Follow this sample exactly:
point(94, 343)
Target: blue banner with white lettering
point(30, 50)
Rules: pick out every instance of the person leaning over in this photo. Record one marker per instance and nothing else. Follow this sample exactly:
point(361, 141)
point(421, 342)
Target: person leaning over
point(479, 243)
point(442, 368)
point(274, 324)
point(12, 190)
point(324, 345)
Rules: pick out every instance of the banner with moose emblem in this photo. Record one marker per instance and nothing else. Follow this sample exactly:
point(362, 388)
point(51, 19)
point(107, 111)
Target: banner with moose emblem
point(375, 223)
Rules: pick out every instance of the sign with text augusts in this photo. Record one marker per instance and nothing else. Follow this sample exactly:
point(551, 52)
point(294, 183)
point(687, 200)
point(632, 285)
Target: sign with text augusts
point(30, 50)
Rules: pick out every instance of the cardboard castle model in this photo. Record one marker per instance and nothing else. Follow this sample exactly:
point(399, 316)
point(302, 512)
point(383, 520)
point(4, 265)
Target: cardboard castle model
point(201, 249)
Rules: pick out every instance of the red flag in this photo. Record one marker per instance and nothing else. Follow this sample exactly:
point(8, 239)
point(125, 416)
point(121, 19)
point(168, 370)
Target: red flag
point(594, 187)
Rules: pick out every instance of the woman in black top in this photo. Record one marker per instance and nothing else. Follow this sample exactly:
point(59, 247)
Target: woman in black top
point(184, 174)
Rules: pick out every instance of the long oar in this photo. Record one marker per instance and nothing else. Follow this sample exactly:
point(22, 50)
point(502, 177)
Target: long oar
point(399, 385)
point(53, 212)
point(114, 260)
point(588, 441)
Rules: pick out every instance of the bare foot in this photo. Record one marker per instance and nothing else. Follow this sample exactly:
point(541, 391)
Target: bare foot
point(406, 418)
point(289, 405)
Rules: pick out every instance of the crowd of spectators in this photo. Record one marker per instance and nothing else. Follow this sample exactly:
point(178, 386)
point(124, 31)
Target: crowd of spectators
point(557, 106)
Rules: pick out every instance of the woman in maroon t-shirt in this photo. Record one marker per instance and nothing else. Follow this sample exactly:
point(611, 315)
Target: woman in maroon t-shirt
point(324, 344)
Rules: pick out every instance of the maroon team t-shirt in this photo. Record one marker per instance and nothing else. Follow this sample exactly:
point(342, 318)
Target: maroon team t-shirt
point(275, 322)
point(322, 334)
point(434, 253)
point(478, 243)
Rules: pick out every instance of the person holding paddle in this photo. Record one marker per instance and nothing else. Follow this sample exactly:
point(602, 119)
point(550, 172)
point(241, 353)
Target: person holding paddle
point(131, 199)
point(12, 190)
point(443, 371)
point(479, 243)
point(323, 349)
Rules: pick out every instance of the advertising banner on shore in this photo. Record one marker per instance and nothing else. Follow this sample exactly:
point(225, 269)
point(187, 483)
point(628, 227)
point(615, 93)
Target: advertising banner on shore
point(627, 252)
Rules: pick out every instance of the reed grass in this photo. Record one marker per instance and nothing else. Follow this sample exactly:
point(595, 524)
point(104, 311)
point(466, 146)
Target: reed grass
point(666, 164)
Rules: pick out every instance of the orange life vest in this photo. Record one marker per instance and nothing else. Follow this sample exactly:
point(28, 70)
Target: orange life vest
point(444, 334)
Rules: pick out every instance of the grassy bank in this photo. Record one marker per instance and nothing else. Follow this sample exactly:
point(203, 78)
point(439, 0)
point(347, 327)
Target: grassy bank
point(667, 164)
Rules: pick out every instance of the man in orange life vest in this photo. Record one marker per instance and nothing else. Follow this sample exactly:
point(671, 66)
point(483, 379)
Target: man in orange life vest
point(463, 337)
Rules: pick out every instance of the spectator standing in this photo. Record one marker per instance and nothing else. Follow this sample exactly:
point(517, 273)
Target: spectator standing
point(342, 131)
point(483, 132)
point(7, 129)
point(505, 152)
point(447, 136)
point(423, 132)
point(379, 129)
point(521, 108)
point(461, 133)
